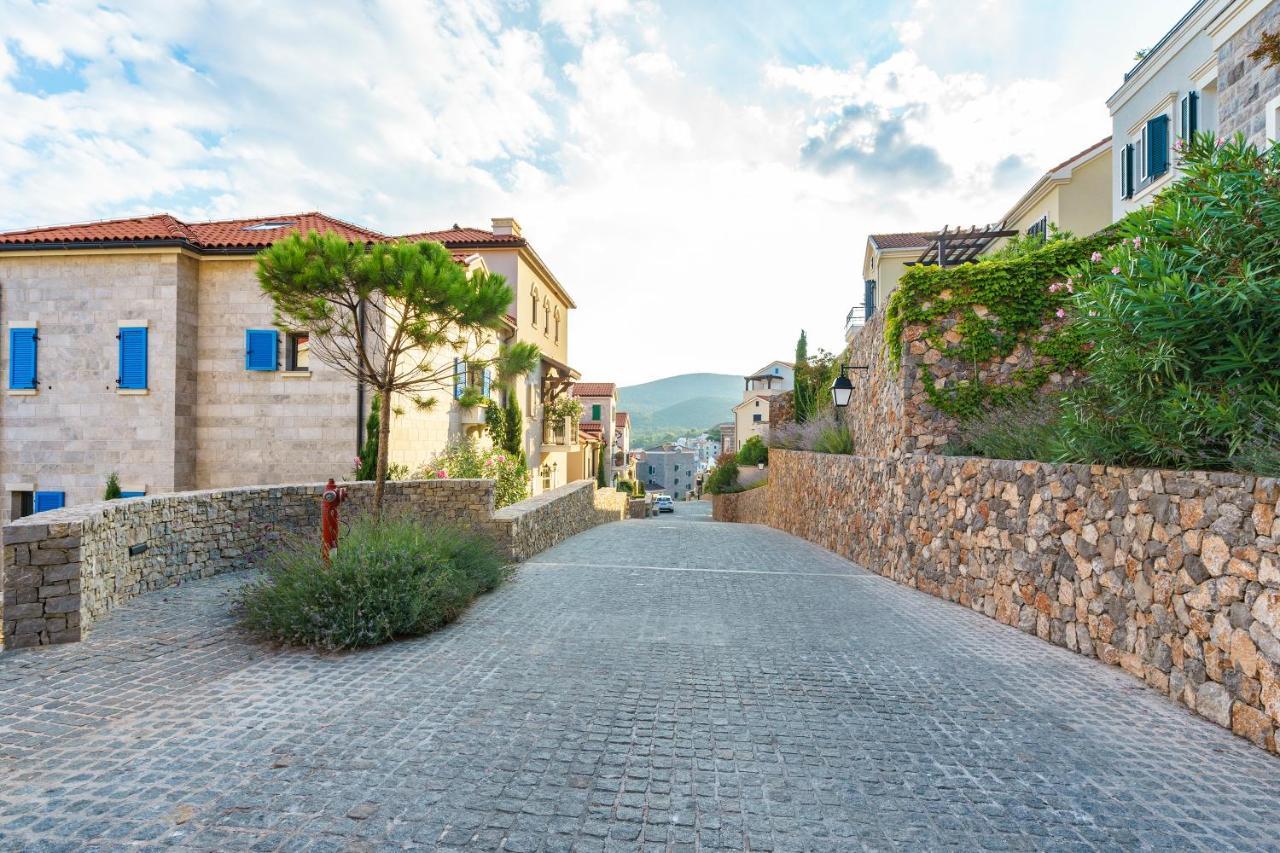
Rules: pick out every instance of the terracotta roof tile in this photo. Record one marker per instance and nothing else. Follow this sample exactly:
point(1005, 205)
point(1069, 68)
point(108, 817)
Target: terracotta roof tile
point(591, 428)
point(903, 240)
point(621, 419)
point(594, 389)
point(250, 234)
point(459, 236)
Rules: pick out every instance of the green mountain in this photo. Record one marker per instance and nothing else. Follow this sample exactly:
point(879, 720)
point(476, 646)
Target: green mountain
point(678, 405)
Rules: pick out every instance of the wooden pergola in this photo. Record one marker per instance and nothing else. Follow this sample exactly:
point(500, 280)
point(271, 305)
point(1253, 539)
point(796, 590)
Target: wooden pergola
point(950, 248)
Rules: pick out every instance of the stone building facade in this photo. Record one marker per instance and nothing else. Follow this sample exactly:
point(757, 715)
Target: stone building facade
point(1248, 91)
point(669, 468)
point(204, 419)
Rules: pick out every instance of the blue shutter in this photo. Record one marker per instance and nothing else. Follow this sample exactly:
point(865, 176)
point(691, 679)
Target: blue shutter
point(132, 494)
point(1126, 173)
point(459, 377)
point(22, 358)
point(1157, 146)
point(133, 358)
point(260, 349)
point(487, 383)
point(868, 298)
point(1193, 113)
point(49, 500)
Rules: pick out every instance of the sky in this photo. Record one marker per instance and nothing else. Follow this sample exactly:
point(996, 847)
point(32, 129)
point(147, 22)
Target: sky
point(700, 175)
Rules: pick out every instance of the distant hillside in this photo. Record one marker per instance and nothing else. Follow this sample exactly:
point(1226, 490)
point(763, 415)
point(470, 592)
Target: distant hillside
point(685, 403)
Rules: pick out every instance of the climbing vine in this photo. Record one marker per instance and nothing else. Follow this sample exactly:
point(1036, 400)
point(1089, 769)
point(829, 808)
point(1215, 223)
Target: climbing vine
point(998, 305)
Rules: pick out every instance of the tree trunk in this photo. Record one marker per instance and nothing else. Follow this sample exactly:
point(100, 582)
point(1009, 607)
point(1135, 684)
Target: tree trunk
point(384, 442)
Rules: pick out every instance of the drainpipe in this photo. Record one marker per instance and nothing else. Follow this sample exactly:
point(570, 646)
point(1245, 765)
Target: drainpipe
point(360, 392)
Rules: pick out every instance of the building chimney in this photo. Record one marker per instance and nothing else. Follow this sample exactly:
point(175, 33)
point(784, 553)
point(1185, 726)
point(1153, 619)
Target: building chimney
point(506, 226)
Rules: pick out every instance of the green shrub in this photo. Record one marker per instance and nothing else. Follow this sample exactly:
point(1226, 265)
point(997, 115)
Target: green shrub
point(113, 487)
point(824, 434)
point(625, 486)
point(388, 578)
point(1026, 430)
point(834, 438)
point(723, 478)
point(1183, 316)
point(753, 452)
point(465, 459)
point(639, 489)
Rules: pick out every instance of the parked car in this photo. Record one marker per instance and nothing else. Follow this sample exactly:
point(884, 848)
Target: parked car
point(666, 504)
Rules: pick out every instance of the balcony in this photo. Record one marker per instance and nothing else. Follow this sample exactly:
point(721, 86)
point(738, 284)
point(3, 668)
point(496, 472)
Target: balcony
point(559, 435)
point(854, 320)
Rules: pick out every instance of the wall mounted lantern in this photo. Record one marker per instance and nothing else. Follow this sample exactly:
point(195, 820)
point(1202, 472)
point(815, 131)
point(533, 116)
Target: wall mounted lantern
point(842, 388)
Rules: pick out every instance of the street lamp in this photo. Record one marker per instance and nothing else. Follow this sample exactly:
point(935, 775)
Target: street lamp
point(842, 388)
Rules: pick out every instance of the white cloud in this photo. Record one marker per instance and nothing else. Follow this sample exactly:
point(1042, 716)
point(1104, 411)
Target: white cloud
point(681, 212)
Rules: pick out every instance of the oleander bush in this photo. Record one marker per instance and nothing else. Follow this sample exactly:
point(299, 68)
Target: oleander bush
point(753, 452)
point(1182, 316)
point(724, 477)
point(388, 578)
point(464, 458)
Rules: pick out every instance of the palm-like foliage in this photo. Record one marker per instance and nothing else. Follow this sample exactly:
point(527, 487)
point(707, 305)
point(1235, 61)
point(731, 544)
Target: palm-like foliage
point(1184, 316)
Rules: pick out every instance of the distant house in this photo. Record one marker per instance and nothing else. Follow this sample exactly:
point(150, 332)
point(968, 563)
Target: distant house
point(669, 468)
point(728, 437)
point(599, 414)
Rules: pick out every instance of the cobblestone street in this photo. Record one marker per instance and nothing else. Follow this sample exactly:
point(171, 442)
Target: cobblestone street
point(666, 684)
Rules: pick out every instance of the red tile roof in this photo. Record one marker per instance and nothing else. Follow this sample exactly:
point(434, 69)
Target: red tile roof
point(593, 428)
point(468, 237)
point(904, 239)
point(594, 389)
point(226, 234)
point(621, 419)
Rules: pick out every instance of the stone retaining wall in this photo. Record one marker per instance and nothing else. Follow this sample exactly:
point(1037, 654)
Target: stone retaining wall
point(749, 507)
point(545, 520)
point(611, 505)
point(63, 570)
point(1173, 576)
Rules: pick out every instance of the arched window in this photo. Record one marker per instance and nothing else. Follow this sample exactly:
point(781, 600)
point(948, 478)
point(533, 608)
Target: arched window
point(546, 315)
point(557, 325)
point(534, 293)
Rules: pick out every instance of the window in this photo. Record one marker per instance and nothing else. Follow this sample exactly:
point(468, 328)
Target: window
point(44, 501)
point(557, 325)
point(1140, 154)
point(533, 295)
point(595, 412)
point(459, 377)
point(1189, 115)
point(1157, 138)
point(546, 316)
point(260, 349)
point(756, 417)
point(132, 374)
point(1039, 228)
point(298, 351)
point(22, 504)
point(22, 357)
point(1126, 172)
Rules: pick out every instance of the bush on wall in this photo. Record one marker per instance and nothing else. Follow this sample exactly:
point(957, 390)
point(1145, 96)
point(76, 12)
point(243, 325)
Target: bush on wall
point(998, 304)
point(1184, 315)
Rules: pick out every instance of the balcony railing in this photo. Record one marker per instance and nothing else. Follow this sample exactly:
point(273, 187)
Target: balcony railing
point(854, 320)
point(559, 433)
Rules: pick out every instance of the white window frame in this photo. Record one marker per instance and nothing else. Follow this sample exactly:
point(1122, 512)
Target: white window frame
point(1273, 119)
point(1140, 154)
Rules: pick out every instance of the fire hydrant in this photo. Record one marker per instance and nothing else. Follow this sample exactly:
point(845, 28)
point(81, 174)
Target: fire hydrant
point(332, 498)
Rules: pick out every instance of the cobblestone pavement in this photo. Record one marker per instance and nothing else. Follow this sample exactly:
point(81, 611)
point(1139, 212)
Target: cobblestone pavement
point(664, 684)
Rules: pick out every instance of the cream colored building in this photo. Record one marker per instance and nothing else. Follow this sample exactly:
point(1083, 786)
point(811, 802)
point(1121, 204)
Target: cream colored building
point(884, 262)
point(539, 316)
point(154, 357)
point(751, 416)
point(1072, 196)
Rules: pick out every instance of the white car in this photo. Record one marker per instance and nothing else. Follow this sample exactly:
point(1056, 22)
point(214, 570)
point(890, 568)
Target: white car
point(666, 504)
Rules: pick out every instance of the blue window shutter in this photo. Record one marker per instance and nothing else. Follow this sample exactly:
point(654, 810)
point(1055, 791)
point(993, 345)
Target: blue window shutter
point(22, 358)
point(44, 501)
point(1157, 146)
point(260, 349)
point(1193, 113)
point(869, 298)
point(459, 377)
point(487, 383)
point(133, 358)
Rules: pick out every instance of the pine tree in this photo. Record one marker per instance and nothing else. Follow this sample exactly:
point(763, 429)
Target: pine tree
point(113, 487)
point(368, 467)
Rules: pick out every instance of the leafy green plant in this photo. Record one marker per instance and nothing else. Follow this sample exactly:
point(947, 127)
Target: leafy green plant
point(825, 434)
point(753, 452)
point(471, 397)
point(835, 438)
point(998, 304)
point(1182, 316)
point(566, 406)
point(465, 459)
point(602, 461)
point(724, 477)
point(112, 492)
point(388, 578)
point(1023, 430)
point(625, 486)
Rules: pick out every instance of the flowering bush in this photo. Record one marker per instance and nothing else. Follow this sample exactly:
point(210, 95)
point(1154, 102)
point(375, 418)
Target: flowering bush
point(1184, 315)
point(465, 459)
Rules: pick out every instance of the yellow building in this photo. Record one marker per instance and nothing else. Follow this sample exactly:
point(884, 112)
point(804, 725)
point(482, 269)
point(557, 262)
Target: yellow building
point(886, 259)
point(1074, 196)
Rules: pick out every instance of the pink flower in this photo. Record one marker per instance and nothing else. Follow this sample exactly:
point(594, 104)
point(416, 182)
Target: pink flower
point(1068, 286)
point(1053, 288)
point(1221, 141)
point(501, 458)
point(442, 474)
point(1137, 242)
point(1060, 313)
point(1115, 270)
point(1096, 257)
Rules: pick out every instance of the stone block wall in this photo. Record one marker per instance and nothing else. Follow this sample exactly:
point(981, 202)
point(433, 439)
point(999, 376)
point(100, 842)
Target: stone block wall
point(63, 570)
point(876, 413)
point(542, 521)
point(611, 504)
point(1172, 576)
point(1246, 86)
point(749, 507)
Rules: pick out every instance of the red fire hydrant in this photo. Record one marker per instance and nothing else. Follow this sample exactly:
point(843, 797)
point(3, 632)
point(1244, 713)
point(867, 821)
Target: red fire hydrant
point(332, 498)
